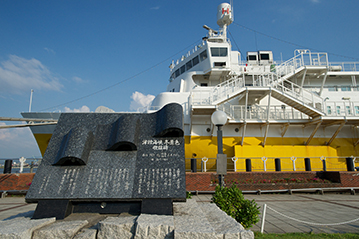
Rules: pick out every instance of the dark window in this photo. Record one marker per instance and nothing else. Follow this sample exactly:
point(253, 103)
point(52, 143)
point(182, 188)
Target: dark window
point(204, 84)
point(218, 51)
point(189, 65)
point(177, 73)
point(264, 56)
point(183, 69)
point(251, 58)
point(219, 64)
point(203, 55)
point(332, 88)
point(195, 61)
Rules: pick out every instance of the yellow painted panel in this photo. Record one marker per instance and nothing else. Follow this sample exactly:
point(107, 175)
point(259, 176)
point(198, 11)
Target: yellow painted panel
point(42, 141)
point(284, 148)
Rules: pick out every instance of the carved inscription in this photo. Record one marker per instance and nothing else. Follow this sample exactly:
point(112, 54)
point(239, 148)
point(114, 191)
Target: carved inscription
point(151, 179)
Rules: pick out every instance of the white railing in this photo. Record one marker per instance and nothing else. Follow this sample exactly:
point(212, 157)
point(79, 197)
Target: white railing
point(344, 66)
point(260, 164)
point(294, 90)
point(224, 89)
point(276, 112)
point(290, 88)
point(21, 166)
point(341, 108)
point(208, 95)
point(303, 58)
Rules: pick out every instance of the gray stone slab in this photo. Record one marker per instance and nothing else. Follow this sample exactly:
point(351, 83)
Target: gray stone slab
point(113, 156)
point(190, 221)
point(188, 208)
point(224, 224)
point(154, 226)
point(194, 227)
point(63, 229)
point(21, 228)
point(87, 234)
point(117, 227)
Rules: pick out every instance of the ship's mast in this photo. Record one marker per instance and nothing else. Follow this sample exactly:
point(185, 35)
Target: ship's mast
point(224, 17)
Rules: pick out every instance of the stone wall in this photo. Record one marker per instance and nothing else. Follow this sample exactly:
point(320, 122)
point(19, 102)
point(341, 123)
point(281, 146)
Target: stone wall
point(248, 181)
point(207, 181)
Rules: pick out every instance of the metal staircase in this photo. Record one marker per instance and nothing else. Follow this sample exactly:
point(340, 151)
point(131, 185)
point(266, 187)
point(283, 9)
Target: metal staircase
point(276, 83)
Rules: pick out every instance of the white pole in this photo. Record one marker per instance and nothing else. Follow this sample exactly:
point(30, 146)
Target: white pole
point(234, 159)
point(293, 160)
point(30, 100)
point(204, 160)
point(264, 159)
point(22, 161)
point(263, 217)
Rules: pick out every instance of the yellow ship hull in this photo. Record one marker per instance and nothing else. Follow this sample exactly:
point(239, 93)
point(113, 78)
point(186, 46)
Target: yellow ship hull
point(287, 149)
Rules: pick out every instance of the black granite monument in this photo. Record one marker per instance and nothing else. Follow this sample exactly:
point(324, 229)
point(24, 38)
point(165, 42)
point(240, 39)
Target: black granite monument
point(112, 163)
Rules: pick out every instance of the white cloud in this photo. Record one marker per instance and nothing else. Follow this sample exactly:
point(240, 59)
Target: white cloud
point(315, 1)
point(49, 50)
point(19, 75)
point(5, 134)
point(82, 109)
point(77, 79)
point(155, 8)
point(17, 142)
point(140, 100)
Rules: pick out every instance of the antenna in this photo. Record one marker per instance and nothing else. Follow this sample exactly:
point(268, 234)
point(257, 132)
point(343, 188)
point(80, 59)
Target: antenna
point(231, 2)
point(32, 91)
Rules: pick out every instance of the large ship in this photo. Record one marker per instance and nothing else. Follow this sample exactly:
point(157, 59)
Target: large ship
point(304, 108)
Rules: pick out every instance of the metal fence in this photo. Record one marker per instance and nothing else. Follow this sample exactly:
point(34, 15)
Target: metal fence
point(21, 165)
point(262, 164)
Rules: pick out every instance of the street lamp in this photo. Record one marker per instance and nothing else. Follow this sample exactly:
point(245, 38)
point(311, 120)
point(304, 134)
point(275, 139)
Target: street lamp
point(219, 118)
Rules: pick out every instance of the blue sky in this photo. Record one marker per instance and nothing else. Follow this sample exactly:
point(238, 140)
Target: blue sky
point(66, 50)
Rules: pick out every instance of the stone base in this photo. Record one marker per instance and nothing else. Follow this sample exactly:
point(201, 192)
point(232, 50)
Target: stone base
point(189, 220)
point(60, 209)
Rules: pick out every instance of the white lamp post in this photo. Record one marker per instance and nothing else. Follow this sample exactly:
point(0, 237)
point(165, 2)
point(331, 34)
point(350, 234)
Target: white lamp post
point(219, 118)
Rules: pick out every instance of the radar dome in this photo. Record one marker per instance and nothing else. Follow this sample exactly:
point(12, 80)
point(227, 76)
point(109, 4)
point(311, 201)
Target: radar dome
point(224, 14)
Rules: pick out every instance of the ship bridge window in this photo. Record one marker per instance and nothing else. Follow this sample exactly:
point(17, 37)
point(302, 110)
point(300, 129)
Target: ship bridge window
point(264, 56)
point(195, 61)
point(219, 51)
point(189, 65)
point(203, 55)
point(182, 69)
point(177, 73)
point(251, 58)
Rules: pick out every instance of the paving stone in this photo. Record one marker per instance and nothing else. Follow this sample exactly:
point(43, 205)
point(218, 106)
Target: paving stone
point(117, 227)
point(63, 229)
point(22, 227)
point(87, 234)
point(154, 226)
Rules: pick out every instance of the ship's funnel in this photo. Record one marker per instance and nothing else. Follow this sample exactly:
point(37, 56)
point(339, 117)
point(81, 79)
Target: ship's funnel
point(224, 14)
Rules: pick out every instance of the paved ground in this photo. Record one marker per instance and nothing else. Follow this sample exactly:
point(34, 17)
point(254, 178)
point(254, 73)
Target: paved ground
point(323, 209)
point(312, 208)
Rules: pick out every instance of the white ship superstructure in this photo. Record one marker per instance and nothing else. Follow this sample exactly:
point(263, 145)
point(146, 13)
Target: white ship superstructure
point(303, 107)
